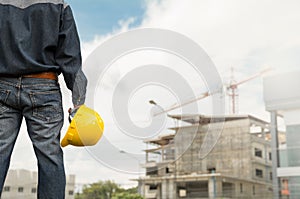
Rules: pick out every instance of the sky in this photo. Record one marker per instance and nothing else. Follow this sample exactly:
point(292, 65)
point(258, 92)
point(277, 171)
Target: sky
point(100, 17)
point(248, 35)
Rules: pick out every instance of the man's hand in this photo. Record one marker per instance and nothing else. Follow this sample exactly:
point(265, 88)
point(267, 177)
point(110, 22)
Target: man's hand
point(72, 111)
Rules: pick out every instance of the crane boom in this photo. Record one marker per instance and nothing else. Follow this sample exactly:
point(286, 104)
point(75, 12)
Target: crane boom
point(201, 96)
point(232, 86)
point(251, 77)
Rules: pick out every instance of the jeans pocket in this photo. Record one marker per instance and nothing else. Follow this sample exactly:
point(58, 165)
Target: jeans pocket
point(47, 105)
point(3, 98)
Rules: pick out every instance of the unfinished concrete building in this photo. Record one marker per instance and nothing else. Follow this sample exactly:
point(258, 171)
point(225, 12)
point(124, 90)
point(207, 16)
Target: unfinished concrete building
point(237, 165)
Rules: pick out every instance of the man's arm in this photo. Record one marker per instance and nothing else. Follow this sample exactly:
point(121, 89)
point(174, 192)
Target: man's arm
point(68, 57)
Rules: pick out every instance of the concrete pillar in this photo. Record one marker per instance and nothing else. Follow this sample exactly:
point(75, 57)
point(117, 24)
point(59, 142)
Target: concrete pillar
point(164, 189)
point(141, 188)
point(168, 189)
point(219, 188)
point(172, 190)
point(212, 188)
point(275, 156)
point(158, 196)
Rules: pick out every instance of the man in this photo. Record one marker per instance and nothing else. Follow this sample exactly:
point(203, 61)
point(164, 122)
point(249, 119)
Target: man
point(38, 41)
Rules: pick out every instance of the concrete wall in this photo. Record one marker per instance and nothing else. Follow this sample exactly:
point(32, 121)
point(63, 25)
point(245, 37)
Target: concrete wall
point(231, 155)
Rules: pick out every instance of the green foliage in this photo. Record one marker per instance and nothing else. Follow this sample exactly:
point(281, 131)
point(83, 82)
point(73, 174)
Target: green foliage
point(132, 190)
point(126, 195)
point(107, 190)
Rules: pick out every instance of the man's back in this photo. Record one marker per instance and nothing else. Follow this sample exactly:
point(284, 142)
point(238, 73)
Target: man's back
point(29, 35)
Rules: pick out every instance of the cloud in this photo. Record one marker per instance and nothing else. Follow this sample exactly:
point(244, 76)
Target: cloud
point(246, 35)
point(88, 47)
point(230, 30)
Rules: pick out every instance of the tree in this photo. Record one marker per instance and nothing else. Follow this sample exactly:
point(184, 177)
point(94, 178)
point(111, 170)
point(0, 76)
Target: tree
point(126, 195)
point(107, 190)
point(98, 190)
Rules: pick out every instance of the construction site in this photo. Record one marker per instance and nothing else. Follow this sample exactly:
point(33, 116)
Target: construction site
point(245, 157)
point(239, 166)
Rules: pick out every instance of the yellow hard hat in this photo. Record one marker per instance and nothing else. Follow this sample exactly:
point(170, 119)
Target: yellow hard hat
point(86, 128)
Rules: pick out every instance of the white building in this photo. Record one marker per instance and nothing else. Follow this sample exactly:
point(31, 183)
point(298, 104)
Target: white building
point(282, 98)
point(23, 184)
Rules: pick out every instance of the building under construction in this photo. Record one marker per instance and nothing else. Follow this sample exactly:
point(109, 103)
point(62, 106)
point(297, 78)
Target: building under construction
point(210, 157)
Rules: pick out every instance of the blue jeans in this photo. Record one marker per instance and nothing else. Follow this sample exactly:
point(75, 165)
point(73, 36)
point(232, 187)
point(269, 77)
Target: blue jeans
point(39, 102)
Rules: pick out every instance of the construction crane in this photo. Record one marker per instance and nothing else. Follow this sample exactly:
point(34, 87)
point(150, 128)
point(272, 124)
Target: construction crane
point(232, 87)
point(202, 96)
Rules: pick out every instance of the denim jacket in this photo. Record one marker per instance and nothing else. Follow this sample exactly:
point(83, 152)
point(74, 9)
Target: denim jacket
point(39, 36)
